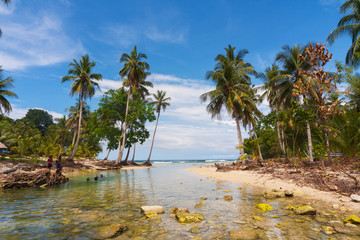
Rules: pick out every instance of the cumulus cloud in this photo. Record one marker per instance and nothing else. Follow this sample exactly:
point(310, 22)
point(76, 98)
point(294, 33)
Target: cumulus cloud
point(38, 42)
point(18, 113)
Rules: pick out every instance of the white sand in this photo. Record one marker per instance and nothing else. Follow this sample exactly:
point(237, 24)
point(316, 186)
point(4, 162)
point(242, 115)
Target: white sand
point(266, 181)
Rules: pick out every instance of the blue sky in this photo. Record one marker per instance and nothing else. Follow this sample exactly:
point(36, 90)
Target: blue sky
point(181, 39)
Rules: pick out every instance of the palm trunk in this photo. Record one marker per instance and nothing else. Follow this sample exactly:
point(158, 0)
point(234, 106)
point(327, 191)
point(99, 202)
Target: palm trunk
point(327, 141)
point(133, 157)
point(308, 129)
point(121, 150)
point(280, 138)
point(74, 137)
point(125, 162)
point(107, 155)
point(79, 127)
point(152, 143)
point(258, 147)
point(241, 145)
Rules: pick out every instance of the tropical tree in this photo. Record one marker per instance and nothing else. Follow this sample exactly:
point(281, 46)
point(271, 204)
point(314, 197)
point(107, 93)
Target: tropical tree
point(231, 76)
point(289, 58)
point(40, 118)
point(84, 84)
point(349, 24)
point(160, 102)
point(276, 84)
point(5, 84)
point(136, 71)
point(74, 116)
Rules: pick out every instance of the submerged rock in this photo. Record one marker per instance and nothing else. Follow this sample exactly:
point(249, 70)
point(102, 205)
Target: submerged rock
point(352, 219)
point(228, 198)
point(328, 230)
point(258, 218)
point(243, 235)
point(189, 217)
point(273, 194)
point(152, 209)
point(199, 205)
point(346, 229)
point(203, 198)
point(194, 229)
point(112, 231)
point(153, 216)
point(176, 210)
point(264, 207)
point(302, 210)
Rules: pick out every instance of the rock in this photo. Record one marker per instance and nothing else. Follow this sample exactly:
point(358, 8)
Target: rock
point(199, 205)
point(328, 230)
point(219, 188)
point(185, 218)
point(275, 216)
point(264, 207)
point(243, 235)
point(152, 209)
point(112, 231)
point(355, 198)
point(194, 229)
point(299, 220)
point(238, 221)
point(227, 191)
point(298, 193)
point(228, 198)
point(176, 210)
point(302, 210)
point(289, 193)
point(203, 198)
point(341, 228)
point(258, 218)
point(352, 219)
point(153, 216)
point(273, 194)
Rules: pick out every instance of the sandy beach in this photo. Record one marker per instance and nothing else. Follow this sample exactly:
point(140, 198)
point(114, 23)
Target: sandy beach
point(267, 182)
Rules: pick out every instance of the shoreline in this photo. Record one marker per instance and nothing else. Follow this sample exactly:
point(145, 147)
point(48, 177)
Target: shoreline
point(268, 182)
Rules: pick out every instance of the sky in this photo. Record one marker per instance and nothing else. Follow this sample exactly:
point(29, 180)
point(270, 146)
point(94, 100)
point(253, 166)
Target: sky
point(181, 39)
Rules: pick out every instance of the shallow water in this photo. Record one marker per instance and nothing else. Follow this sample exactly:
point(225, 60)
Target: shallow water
point(80, 210)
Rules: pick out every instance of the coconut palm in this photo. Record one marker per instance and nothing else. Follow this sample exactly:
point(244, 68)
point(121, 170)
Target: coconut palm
point(276, 84)
point(231, 76)
point(74, 115)
point(5, 84)
point(84, 84)
point(135, 70)
point(349, 24)
point(160, 102)
point(289, 58)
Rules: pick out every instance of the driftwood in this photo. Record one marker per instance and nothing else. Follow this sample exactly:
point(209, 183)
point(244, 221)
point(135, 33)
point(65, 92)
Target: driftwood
point(40, 178)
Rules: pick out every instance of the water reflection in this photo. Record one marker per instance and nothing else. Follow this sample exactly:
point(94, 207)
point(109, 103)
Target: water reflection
point(79, 210)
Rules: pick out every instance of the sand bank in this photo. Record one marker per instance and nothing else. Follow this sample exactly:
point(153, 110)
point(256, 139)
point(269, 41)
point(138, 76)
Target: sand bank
point(266, 181)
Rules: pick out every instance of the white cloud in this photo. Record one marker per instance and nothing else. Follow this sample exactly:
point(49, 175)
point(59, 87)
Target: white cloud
point(37, 42)
point(18, 113)
point(7, 9)
point(156, 35)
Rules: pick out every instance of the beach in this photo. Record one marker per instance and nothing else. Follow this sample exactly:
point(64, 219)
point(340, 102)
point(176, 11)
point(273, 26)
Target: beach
point(267, 182)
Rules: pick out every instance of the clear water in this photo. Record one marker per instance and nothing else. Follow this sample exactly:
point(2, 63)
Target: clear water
point(80, 210)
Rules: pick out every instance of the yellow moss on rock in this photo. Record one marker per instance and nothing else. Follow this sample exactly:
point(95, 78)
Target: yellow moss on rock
point(264, 207)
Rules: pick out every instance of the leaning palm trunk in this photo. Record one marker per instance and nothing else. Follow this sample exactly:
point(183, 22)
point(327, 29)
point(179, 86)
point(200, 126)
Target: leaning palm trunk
point(74, 137)
point(152, 144)
point(241, 145)
point(79, 128)
point(121, 148)
point(308, 129)
point(258, 147)
point(125, 162)
point(280, 138)
point(107, 155)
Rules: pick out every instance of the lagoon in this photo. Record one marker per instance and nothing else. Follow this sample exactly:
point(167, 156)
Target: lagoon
point(80, 210)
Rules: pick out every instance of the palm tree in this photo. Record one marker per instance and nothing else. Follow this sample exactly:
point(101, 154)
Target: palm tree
point(84, 83)
point(349, 24)
point(161, 102)
point(7, 3)
point(74, 115)
point(249, 114)
point(276, 84)
point(135, 71)
point(289, 58)
point(5, 84)
point(231, 76)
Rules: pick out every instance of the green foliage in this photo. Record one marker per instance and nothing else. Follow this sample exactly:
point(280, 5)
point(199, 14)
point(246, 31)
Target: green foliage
point(40, 119)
